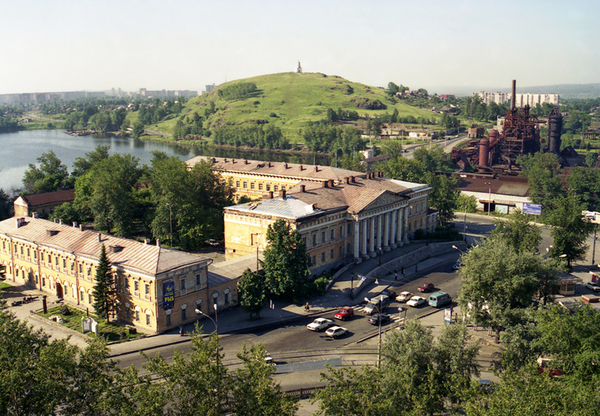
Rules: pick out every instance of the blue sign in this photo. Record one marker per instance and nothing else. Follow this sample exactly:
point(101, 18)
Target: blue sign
point(168, 295)
point(535, 209)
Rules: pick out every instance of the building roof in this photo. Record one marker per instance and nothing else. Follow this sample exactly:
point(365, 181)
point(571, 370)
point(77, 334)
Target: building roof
point(49, 198)
point(231, 269)
point(288, 170)
point(308, 198)
point(502, 185)
point(129, 254)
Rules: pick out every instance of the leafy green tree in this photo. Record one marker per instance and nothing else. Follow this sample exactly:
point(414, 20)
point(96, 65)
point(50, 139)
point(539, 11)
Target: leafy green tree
point(542, 170)
point(466, 203)
point(198, 384)
point(254, 391)
point(499, 284)
point(403, 169)
point(84, 164)
point(251, 290)
point(138, 130)
point(285, 260)
point(585, 184)
point(104, 301)
point(590, 159)
point(518, 232)
point(443, 196)
point(392, 89)
point(569, 230)
point(52, 175)
point(6, 205)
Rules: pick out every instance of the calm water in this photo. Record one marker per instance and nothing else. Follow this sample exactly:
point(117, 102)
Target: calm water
point(19, 149)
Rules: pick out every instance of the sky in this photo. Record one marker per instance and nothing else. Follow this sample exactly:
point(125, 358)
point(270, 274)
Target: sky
point(440, 45)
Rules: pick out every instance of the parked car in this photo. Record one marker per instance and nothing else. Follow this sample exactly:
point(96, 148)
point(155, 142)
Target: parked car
point(457, 265)
point(374, 320)
point(377, 303)
point(439, 299)
point(389, 292)
point(336, 331)
point(344, 313)
point(426, 287)
point(593, 286)
point(404, 296)
point(416, 301)
point(320, 324)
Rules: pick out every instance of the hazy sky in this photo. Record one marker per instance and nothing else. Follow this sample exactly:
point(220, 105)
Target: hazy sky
point(67, 45)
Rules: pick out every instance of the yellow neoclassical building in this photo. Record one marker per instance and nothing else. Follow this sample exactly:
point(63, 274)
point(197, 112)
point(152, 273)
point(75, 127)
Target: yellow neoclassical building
point(156, 288)
point(341, 221)
point(255, 178)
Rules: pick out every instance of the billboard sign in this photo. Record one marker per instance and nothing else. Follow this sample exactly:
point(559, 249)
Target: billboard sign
point(534, 209)
point(168, 295)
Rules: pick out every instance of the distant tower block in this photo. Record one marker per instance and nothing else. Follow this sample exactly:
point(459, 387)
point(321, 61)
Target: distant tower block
point(299, 70)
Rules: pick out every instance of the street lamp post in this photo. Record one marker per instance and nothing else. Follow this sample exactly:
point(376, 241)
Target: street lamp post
point(456, 248)
point(594, 247)
point(257, 246)
point(379, 338)
point(351, 285)
point(199, 312)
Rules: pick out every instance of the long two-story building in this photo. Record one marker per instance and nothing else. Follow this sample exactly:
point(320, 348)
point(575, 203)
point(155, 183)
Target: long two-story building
point(157, 288)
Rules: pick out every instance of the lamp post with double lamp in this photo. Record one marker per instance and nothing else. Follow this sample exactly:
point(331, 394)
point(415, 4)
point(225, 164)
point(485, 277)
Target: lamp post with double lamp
point(456, 248)
point(215, 323)
point(379, 339)
point(489, 184)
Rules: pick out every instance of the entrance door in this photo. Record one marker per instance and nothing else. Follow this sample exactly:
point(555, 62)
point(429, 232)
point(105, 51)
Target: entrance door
point(59, 291)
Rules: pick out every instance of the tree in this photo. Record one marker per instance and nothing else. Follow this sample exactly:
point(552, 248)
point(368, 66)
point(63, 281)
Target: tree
point(83, 164)
point(443, 196)
point(138, 130)
point(285, 260)
point(198, 384)
point(6, 205)
point(104, 302)
point(52, 175)
point(542, 170)
point(518, 232)
point(500, 283)
point(254, 391)
point(585, 184)
point(570, 231)
point(251, 290)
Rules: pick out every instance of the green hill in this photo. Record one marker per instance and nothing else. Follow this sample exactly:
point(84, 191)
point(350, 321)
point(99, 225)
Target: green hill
point(290, 100)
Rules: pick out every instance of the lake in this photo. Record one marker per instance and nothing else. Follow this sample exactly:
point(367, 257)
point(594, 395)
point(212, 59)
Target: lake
point(19, 149)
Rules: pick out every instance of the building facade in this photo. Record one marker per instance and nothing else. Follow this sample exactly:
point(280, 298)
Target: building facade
point(521, 100)
point(340, 221)
point(42, 204)
point(157, 289)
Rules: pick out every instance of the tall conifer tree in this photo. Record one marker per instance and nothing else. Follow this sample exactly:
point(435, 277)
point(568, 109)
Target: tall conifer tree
point(103, 290)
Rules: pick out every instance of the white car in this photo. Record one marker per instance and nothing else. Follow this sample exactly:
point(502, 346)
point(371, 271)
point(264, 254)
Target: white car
point(336, 331)
point(593, 286)
point(404, 296)
point(416, 301)
point(320, 324)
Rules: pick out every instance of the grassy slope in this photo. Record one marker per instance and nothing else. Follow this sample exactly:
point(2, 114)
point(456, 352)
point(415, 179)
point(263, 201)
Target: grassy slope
point(295, 98)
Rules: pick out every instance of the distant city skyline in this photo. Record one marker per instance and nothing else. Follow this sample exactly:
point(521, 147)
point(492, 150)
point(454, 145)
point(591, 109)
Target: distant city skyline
point(446, 47)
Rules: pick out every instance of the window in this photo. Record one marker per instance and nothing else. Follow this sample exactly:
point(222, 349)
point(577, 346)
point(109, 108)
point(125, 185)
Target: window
point(314, 240)
point(304, 239)
point(323, 257)
point(4, 245)
point(35, 255)
point(198, 279)
point(275, 187)
point(64, 263)
point(341, 231)
point(333, 234)
point(182, 284)
point(260, 186)
point(323, 237)
point(237, 184)
point(89, 271)
point(251, 185)
point(49, 259)
point(184, 314)
point(80, 268)
point(147, 319)
point(74, 292)
point(21, 250)
point(90, 298)
point(82, 295)
point(136, 286)
point(331, 254)
point(126, 284)
point(168, 320)
point(268, 187)
point(245, 185)
point(28, 252)
point(56, 260)
point(283, 187)
point(226, 298)
point(137, 315)
point(147, 289)
point(314, 260)
point(341, 251)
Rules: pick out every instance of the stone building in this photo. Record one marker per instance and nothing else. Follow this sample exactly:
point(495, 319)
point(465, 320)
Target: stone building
point(157, 288)
point(42, 204)
point(341, 221)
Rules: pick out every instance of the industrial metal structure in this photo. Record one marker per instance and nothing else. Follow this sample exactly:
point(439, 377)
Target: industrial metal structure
point(520, 135)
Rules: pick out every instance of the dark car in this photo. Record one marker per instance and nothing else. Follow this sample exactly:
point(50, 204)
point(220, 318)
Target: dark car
point(374, 320)
point(389, 292)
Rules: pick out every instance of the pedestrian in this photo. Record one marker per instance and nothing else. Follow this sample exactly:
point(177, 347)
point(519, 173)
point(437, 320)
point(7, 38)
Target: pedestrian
point(306, 307)
point(403, 271)
point(180, 331)
point(395, 276)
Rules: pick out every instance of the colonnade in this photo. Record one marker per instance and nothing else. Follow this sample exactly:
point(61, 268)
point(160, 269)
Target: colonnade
point(379, 231)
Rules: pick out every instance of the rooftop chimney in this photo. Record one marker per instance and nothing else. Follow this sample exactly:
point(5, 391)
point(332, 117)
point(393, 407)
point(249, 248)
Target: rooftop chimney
point(316, 168)
point(285, 165)
point(347, 179)
point(302, 188)
point(326, 184)
point(352, 179)
point(74, 224)
point(34, 215)
point(282, 194)
point(99, 237)
point(246, 161)
point(270, 194)
point(331, 183)
point(158, 242)
point(269, 164)
point(81, 227)
point(301, 167)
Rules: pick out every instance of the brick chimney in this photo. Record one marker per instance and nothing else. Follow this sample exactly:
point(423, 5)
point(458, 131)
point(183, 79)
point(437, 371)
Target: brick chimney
point(331, 183)
point(270, 194)
point(302, 188)
point(282, 194)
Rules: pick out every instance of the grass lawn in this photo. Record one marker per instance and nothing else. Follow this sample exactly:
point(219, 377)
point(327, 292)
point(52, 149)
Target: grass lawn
point(4, 286)
point(110, 331)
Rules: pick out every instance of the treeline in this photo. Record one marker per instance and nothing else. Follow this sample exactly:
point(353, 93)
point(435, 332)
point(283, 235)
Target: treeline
point(44, 376)
point(8, 124)
point(237, 91)
point(164, 200)
point(262, 136)
point(159, 111)
point(324, 137)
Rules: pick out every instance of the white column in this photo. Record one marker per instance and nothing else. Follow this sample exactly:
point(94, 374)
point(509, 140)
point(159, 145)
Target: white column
point(405, 226)
point(379, 231)
point(363, 237)
point(399, 226)
point(393, 229)
point(372, 236)
point(356, 240)
point(386, 231)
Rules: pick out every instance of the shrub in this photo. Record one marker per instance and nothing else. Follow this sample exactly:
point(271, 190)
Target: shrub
point(64, 310)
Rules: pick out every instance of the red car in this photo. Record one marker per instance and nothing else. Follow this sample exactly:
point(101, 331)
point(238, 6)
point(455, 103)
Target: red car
point(426, 287)
point(344, 313)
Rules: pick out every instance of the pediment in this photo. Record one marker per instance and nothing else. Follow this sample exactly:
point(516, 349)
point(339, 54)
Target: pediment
point(385, 199)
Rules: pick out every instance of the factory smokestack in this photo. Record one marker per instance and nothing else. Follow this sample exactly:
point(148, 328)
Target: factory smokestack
point(513, 97)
